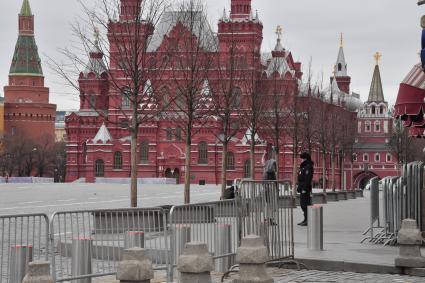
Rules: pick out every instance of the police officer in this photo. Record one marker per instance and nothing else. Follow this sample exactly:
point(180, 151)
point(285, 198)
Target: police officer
point(305, 179)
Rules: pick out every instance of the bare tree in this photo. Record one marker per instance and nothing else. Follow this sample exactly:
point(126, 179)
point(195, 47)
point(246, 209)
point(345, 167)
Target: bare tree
point(192, 45)
point(226, 94)
point(405, 148)
point(124, 61)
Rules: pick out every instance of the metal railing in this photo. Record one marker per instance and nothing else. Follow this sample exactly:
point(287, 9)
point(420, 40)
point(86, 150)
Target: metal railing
point(267, 210)
point(213, 223)
point(401, 199)
point(23, 238)
point(90, 243)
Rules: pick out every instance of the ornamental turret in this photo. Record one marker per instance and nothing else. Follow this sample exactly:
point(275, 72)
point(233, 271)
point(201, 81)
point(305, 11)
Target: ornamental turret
point(241, 9)
point(341, 75)
point(130, 10)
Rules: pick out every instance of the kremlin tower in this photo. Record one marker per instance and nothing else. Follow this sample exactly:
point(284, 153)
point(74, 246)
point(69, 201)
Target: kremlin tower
point(28, 112)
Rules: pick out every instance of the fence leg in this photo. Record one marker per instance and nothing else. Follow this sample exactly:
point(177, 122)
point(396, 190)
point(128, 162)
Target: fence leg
point(223, 246)
point(82, 253)
point(134, 239)
point(135, 267)
point(195, 264)
point(38, 272)
point(20, 257)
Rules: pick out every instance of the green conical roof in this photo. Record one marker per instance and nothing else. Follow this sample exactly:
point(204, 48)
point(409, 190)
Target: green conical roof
point(26, 8)
point(26, 60)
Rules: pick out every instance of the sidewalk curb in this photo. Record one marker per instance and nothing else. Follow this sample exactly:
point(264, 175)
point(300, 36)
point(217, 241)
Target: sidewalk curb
point(343, 266)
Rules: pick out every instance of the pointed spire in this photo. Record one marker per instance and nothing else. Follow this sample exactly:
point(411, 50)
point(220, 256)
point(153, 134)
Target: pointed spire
point(341, 65)
point(224, 18)
point(376, 93)
point(279, 46)
point(26, 9)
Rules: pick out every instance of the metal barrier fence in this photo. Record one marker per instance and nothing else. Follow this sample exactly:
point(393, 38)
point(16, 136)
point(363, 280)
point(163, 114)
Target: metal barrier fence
point(23, 238)
point(266, 209)
point(90, 243)
point(402, 198)
point(213, 223)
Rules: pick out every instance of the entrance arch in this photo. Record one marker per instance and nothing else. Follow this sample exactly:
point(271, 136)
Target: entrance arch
point(363, 178)
point(173, 174)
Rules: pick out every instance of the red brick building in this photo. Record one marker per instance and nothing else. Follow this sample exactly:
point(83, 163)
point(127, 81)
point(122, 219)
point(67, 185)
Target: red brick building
point(27, 109)
point(100, 147)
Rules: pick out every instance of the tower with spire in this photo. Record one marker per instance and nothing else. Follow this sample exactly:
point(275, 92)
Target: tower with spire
point(341, 74)
point(242, 27)
point(27, 108)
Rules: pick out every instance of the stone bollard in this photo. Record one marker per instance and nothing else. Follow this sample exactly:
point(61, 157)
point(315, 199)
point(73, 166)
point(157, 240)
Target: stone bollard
point(135, 266)
point(410, 241)
point(252, 256)
point(195, 264)
point(38, 272)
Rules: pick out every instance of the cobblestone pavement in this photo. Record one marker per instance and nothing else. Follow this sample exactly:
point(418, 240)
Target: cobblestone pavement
point(306, 276)
point(313, 276)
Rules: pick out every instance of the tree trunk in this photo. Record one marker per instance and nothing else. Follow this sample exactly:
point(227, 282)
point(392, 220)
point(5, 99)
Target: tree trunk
point(133, 157)
point(187, 170)
point(277, 163)
point(252, 156)
point(333, 171)
point(352, 177)
point(324, 171)
point(224, 169)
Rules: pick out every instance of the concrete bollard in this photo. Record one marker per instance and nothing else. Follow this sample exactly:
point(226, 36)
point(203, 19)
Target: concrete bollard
point(410, 240)
point(252, 256)
point(134, 239)
point(315, 228)
point(20, 257)
point(38, 272)
point(223, 246)
point(81, 262)
point(195, 264)
point(135, 266)
point(182, 236)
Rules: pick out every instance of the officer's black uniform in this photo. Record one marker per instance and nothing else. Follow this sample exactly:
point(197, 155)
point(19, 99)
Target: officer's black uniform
point(305, 179)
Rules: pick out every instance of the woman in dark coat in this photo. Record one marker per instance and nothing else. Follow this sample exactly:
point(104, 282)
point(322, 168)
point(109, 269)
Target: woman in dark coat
point(305, 187)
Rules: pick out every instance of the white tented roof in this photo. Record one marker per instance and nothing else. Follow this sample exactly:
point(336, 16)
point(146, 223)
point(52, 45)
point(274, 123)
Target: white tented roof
point(103, 135)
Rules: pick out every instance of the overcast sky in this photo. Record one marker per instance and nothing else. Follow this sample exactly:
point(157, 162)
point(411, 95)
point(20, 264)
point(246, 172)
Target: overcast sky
point(311, 29)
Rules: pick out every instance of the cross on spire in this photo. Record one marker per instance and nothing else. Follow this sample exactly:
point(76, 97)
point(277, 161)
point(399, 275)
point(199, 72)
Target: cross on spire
point(377, 57)
point(279, 32)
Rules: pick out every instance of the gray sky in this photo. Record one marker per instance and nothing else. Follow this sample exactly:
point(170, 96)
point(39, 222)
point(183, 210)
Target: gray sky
point(311, 29)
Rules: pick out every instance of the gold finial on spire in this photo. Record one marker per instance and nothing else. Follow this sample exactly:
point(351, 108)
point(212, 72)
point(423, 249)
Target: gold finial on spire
point(341, 40)
point(279, 32)
point(377, 57)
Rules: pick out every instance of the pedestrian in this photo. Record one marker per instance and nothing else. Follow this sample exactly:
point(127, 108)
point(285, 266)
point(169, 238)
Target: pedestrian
point(305, 188)
point(270, 188)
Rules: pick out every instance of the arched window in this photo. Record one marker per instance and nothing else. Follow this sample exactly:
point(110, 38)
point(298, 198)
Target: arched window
point(118, 160)
point(169, 133)
point(389, 157)
point(144, 152)
point(125, 98)
point(237, 97)
point(247, 169)
point(100, 168)
point(367, 126)
point(373, 110)
point(92, 101)
point(355, 157)
point(365, 157)
point(178, 134)
point(377, 126)
point(203, 153)
point(377, 157)
point(381, 110)
point(339, 67)
point(230, 161)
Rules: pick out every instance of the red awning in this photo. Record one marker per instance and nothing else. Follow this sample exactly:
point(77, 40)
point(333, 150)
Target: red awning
point(410, 102)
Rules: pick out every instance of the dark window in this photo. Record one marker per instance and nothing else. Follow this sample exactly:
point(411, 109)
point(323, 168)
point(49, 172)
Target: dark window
point(247, 169)
point(100, 168)
point(377, 157)
point(84, 152)
point(125, 98)
point(124, 124)
point(92, 101)
point(144, 152)
point(178, 134)
point(169, 133)
point(237, 97)
point(339, 67)
point(118, 160)
point(381, 110)
point(373, 110)
point(230, 161)
point(203, 153)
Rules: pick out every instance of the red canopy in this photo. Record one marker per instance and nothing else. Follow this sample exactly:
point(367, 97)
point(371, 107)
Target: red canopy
point(410, 105)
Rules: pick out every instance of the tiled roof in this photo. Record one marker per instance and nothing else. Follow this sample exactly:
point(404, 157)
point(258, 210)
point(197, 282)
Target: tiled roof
point(26, 60)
